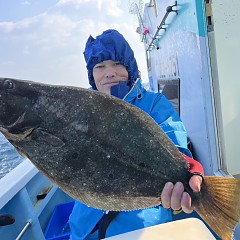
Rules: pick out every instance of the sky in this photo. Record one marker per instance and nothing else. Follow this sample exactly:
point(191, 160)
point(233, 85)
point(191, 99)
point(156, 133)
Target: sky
point(44, 40)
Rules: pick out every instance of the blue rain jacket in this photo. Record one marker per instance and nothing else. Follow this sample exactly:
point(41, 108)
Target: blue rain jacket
point(84, 218)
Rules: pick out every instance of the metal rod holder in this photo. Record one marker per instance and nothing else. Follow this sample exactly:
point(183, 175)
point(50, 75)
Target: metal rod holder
point(169, 9)
point(28, 224)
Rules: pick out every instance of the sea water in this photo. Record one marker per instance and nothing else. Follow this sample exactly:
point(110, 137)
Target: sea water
point(9, 157)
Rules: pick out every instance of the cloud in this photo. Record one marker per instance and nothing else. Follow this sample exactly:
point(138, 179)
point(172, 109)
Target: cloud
point(76, 3)
point(113, 9)
point(25, 3)
point(108, 7)
point(49, 47)
point(7, 26)
point(24, 24)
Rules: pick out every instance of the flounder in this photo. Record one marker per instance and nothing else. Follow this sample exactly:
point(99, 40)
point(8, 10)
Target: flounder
point(105, 152)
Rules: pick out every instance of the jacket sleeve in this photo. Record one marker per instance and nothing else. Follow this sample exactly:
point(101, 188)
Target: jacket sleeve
point(168, 119)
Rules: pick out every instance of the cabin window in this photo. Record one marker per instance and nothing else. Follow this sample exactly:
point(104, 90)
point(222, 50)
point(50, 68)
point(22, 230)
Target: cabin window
point(171, 90)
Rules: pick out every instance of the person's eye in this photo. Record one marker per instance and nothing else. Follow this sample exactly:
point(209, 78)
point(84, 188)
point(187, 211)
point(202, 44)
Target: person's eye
point(98, 66)
point(118, 64)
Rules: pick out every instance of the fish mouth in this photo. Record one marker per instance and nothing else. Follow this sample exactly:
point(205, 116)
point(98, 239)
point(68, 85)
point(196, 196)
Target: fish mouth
point(18, 121)
point(16, 137)
point(6, 130)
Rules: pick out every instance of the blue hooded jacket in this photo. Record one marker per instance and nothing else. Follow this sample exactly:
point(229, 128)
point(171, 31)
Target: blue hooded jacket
point(112, 46)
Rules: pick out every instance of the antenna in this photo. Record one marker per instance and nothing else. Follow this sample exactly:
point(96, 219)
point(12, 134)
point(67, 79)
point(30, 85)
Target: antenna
point(136, 8)
point(134, 4)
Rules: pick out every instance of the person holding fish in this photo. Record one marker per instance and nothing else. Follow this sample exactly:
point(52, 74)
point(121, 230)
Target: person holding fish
point(112, 69)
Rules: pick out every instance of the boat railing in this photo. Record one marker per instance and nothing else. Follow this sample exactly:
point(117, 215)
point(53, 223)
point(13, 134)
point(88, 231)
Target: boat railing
point(28, 198)
point(162, 26)
point(28, 224)
point(15, 180)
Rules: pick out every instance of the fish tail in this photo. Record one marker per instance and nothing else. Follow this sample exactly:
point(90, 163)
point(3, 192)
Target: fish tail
point(220, 205)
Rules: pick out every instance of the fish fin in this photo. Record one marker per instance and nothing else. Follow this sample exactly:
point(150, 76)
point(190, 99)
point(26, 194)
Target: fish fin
point(48, 138)
point(220, 207)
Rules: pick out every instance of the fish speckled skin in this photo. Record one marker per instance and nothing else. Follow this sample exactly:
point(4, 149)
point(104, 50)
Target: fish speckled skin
point(105, 152)
point(91, 145)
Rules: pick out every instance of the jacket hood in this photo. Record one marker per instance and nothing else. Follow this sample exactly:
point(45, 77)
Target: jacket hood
point(110, 45)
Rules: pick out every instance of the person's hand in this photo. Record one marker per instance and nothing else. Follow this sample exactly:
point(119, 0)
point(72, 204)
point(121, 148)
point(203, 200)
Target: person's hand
point(173, 196)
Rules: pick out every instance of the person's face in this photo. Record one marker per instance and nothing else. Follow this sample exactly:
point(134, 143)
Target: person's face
point(107, 74)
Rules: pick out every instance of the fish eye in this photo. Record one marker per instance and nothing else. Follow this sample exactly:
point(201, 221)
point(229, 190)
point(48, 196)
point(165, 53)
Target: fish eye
point(8, 84)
